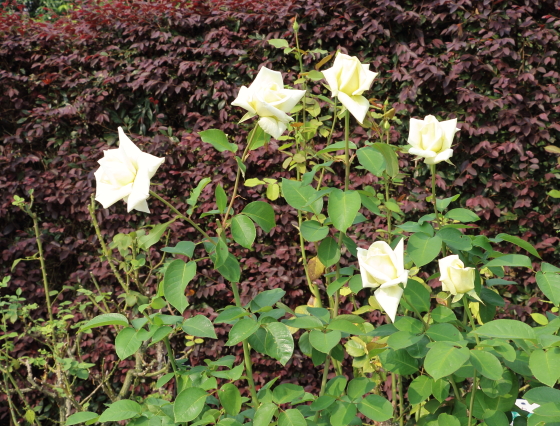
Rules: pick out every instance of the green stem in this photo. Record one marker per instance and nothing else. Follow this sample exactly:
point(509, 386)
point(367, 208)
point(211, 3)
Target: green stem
point(300, 58)
point(106, 252)
point(389, 214)
point(473, 393)
point(401, 403)
point(312, 286)
point(394, 394)
point(43, 267)
point(323, 383)
point(434, 199)
point(455, 389)
point(178, 213)
point(420, 317)
point(347, 150)
point(238, 177)
point(471, 319)
point(246, 355)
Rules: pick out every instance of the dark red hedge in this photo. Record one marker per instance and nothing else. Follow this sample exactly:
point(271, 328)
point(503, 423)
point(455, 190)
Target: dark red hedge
point(167, 69)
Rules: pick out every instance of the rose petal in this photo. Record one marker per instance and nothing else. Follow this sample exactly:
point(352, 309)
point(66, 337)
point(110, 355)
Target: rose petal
point(357, 105)
point(389, 298)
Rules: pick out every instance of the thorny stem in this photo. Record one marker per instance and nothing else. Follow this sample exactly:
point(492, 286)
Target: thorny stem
point(300, 58)
point(455, 389)
point(434, 199)
point(473, 393)
point(171, 356)
point(106, 251)
point(246, 354)
point(471, 319)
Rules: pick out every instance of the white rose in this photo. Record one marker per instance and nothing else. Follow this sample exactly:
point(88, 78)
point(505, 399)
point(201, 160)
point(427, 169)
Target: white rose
point(383, 268)
point(348, 78)
point(432, 139)
point(125, 173)
point(267, 98)
point(455, 278)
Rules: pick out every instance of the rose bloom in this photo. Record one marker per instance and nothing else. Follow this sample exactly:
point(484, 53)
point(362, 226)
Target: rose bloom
point(382, 268)
point(431, 139)
point(125, 174)
point(267, 98)
point(455, 278)
point(348, 78)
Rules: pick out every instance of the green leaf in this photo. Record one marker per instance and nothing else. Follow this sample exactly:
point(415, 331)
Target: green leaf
point(164, 380)
point(230, 398)
point(542, 395)
point(313, 231)
point(449, 420)
point(398, 361)
point(422, 249)
point(185, 248)
point(193, 199)
point(127, 342)
point(420, 389)
point(376, 408)
point(443, 359)
point(359, 386)
point(322, 402)
point(414, 227)
point(287, 392)
point(219, 253)
point(495, 388)
point(160, 334)
point(298, 195)
point(306, 321)
point(519, 242)
point(146, 241)
point(442, 204)
point(455, 239)
point(342, 413)
point(230, 270)
point(486, 364)
point(549, 284)
point(391, 159)
point(291, 417)
point(372, 160)
point(462, 215)
point(343, 208)
point(443, 314)
point(262, 213)
point(258, 139)
point(189, 404)
point(506, 329)
point(336, 285)
point(221, 198)
point(409, 324)
point(264, 414)
point(243, 230)
point(324, 342)
point(229, 314)
point(279, 343)
point(417, 295)
point(105, 319)
point(337, 146)
point(545, 366)
point(241, 330)
point(279, 43)
point(344, 326)
point(440, 390)
point(177, 276)
point(218, 140)
point(199, 326)
point(266, 299)
point(328, 252)
point(511, 260)
point(444, 332)
point(402, 339)
point(121, 410)
point(80, 417)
